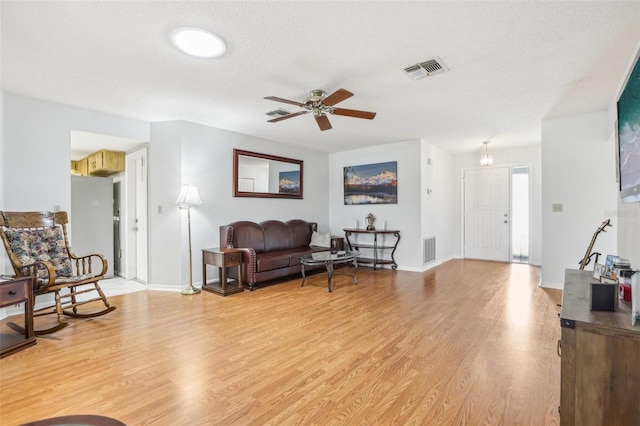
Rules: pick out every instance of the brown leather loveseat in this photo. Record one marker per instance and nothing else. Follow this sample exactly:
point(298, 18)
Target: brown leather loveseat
point(271, 249)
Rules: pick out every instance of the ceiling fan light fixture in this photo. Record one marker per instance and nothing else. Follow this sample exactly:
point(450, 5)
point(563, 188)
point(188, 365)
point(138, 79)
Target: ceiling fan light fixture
point(198, 42)
point(320, 106)
point(486, 159)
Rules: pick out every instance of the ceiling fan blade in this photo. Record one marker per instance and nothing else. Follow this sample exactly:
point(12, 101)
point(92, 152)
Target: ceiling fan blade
point(354, 113)
point(323, 122)
point(286, 101)
point(337, 96)
point(284, 117)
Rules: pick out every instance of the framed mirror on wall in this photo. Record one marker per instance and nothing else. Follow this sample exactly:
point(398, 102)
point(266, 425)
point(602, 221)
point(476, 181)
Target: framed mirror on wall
point(266, 176)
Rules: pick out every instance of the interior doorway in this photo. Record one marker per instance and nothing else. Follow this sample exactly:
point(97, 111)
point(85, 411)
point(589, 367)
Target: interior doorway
point(127, 205)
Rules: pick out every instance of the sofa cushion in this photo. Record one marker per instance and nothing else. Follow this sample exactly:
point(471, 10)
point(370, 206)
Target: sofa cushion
point(320, 240)
point(34, 245)
point(276, 235)
point(248, 234)
point(300, 231)
point(272, 260)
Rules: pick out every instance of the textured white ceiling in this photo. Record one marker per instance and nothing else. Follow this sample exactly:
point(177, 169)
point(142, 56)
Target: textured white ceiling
point(511, 64)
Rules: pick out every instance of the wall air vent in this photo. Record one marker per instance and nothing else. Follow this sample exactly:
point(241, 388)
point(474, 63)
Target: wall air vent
point(425, 68)
point(278, 113)
point(429, 250)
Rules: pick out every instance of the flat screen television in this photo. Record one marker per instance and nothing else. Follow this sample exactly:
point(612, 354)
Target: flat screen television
point(629, 137)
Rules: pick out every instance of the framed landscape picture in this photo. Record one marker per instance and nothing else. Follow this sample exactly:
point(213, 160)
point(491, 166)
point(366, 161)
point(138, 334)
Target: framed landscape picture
point(289, 182)
point(371, 184)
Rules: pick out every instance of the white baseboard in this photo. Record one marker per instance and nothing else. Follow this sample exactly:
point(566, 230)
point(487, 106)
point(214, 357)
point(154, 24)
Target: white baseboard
point(547, 284)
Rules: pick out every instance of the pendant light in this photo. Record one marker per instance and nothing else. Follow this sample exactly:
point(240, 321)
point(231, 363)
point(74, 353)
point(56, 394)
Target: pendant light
point(486, 159)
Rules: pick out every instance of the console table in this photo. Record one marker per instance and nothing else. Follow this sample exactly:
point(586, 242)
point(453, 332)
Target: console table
point(381, 252)
point(14, 291)
point(223, 259)
point(600, 360)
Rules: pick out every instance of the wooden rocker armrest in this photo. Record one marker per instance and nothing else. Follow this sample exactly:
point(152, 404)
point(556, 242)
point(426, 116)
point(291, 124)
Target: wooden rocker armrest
point(84, 263)
point(32, 270)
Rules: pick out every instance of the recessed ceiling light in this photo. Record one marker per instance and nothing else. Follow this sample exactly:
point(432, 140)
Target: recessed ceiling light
point(198, 42)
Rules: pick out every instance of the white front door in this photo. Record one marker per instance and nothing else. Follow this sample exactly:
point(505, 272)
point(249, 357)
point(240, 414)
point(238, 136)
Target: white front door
point(486, 214)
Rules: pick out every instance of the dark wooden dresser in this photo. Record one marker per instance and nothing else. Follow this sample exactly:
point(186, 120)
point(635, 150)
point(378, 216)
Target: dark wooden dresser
point(600, 366)
point(14, 291)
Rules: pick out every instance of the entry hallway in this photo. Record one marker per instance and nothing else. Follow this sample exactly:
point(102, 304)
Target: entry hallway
point(467, 342)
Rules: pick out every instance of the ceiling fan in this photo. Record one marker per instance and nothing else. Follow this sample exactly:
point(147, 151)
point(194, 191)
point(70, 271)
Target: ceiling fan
point(320, 105)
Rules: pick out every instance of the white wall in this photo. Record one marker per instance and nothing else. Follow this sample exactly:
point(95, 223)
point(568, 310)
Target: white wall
point(404, 216)
point(578, 171)
point(628, 232)
point(183, 152)
point(164, 184)
point(439, 218)
point(37, 142)
point(522, 156)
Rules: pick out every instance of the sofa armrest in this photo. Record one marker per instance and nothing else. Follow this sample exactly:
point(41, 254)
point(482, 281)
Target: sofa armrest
point(248, 265)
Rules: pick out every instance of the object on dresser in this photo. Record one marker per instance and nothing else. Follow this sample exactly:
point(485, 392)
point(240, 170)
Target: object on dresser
point(588, 255)
point(598, 270)
point(608, 280)
point(625, 284)
point(604, 297)
point(620, 265)
point(608, 265)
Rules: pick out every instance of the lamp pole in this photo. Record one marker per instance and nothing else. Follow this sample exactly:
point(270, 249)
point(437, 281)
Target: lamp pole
point(191, 289)
point(188, 198)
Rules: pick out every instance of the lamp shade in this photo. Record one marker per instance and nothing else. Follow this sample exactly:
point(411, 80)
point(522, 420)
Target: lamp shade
point(189, 196)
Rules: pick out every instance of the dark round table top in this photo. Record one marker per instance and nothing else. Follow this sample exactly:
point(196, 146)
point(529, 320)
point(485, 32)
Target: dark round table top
point(77, 420)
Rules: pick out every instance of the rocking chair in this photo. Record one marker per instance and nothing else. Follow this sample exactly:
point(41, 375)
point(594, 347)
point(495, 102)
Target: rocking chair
point(37, 246)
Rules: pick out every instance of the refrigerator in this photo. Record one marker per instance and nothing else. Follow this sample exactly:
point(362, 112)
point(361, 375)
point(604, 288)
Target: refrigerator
point(91, 218)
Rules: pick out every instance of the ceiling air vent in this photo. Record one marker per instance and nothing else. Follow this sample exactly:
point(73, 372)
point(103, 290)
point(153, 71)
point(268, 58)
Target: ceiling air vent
point(425, 69)
point(278, 113)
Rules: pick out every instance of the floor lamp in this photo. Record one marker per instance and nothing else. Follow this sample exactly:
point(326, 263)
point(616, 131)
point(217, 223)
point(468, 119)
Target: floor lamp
point(188, 198)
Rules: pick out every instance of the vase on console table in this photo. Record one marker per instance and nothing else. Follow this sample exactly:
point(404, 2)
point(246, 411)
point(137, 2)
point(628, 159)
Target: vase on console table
point(370, 219)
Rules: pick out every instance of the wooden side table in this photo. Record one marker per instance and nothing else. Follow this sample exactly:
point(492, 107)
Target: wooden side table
point(223, 259)
point(14, 291)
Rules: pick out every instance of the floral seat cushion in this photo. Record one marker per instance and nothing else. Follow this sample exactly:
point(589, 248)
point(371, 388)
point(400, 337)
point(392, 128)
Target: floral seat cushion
point(42, 244)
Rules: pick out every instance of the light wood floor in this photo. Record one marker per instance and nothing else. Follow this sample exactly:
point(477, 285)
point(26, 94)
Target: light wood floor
point(467, 342)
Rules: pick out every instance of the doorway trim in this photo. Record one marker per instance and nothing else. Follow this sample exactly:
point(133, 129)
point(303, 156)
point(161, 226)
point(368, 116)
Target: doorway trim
point(136, 258)
point(532, 206)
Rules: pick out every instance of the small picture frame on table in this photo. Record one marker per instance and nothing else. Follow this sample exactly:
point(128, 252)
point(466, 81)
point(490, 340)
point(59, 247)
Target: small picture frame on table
point(598, 270)
point(609, 264)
